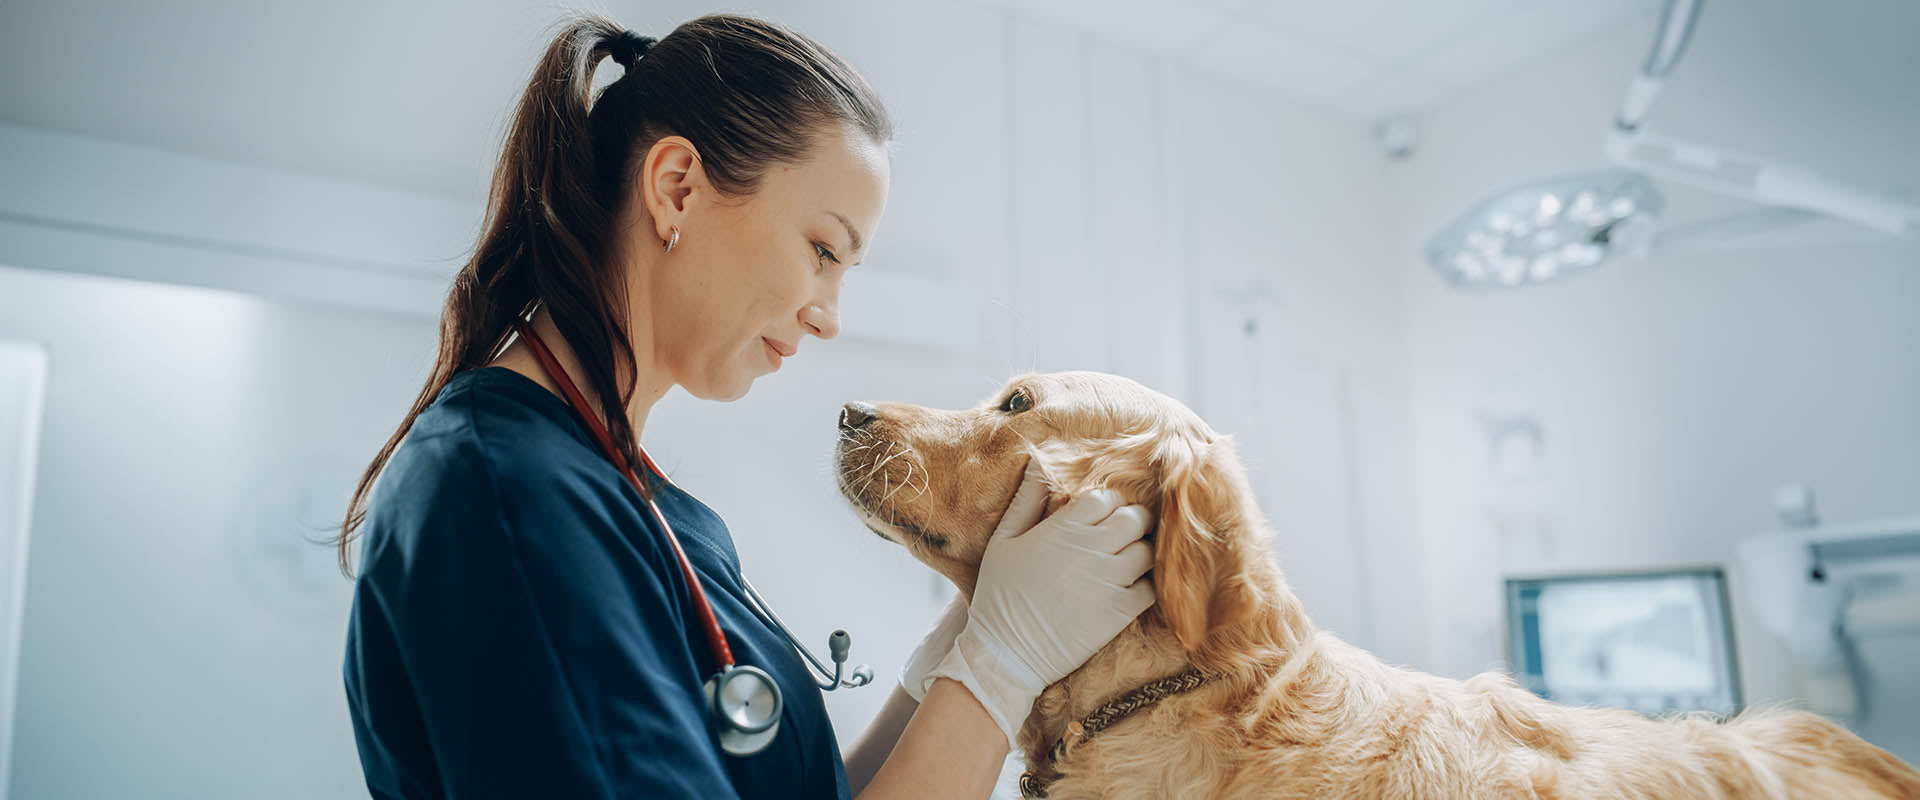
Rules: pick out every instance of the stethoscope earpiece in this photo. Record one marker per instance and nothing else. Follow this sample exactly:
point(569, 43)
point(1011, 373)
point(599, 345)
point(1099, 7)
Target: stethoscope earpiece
point(838, 644)
point(743, 702)
point(862, 675)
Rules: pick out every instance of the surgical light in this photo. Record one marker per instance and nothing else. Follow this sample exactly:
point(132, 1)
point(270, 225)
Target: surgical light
point(1546, 230)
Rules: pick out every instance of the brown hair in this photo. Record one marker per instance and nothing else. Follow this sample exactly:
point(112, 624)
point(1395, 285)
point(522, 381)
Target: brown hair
point(747, 93)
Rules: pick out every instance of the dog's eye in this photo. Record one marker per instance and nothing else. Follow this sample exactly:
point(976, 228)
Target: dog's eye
point(1017, 402)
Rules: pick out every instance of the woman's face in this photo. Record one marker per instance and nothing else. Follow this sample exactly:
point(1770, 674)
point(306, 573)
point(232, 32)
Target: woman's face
point(752, 277)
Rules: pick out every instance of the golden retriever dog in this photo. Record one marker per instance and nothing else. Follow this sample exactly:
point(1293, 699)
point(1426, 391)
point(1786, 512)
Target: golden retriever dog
point(1288, 711)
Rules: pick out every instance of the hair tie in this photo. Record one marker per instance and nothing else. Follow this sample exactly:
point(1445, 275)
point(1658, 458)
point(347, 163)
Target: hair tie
point(629, 46)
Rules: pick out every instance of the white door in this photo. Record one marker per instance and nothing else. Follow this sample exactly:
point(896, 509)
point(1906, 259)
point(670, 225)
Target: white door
point(23, 380)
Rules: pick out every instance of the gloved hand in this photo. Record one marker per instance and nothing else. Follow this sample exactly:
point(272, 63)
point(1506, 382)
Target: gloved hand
point(1050, 593)
point(933, 648)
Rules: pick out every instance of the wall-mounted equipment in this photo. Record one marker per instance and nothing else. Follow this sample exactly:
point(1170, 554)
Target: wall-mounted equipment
point(1823, 589)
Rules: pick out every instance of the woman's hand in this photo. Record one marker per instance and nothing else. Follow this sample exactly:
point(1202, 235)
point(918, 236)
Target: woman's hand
point(1050, 593)
point(915, 676)
point(1048, 596)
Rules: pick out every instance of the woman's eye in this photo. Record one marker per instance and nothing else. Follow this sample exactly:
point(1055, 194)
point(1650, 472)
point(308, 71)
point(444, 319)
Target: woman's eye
point(1017, 402)
point(823, 255)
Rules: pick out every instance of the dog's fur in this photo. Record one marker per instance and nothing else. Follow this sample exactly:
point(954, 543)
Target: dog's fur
point(1298, 713)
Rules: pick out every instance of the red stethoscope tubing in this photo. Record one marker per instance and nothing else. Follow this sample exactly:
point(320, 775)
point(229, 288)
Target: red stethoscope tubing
point(716, 639)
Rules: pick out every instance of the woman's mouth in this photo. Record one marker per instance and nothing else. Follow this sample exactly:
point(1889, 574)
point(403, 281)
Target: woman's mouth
point(773, 352)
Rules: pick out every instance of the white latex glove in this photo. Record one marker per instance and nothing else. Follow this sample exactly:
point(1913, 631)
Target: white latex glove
point(1048, 596)
point(933, 648)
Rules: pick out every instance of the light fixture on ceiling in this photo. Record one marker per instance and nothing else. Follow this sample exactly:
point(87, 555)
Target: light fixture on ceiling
point(1543, 230)
point(1546, 229)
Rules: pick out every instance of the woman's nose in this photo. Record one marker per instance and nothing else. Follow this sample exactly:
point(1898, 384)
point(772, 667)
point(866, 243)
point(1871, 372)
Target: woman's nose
point(855, 415)
point(824, 322)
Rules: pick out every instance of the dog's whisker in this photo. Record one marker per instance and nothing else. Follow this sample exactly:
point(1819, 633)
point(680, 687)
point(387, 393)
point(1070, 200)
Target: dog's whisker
point(890, 458)
point(926, 485)
point(872, 471)
point(873, 467)
point(881, 463)
point(904, 482)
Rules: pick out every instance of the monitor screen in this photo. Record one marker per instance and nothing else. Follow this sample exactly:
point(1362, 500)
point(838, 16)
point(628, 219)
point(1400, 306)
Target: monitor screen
point(1653, 642)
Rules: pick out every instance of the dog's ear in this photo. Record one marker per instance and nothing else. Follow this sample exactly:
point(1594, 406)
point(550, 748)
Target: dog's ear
point(1198, 563)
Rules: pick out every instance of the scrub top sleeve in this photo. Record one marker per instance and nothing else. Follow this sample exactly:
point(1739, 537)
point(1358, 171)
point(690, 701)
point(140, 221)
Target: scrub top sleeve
point(509, 713)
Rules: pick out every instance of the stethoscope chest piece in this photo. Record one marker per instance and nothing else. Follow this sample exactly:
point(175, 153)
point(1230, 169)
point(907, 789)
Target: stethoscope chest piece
point(744, 704)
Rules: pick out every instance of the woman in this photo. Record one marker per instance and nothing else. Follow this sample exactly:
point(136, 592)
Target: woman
point(522, 625)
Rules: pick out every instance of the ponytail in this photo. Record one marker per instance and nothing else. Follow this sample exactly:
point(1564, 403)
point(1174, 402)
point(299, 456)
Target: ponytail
point(748, 93)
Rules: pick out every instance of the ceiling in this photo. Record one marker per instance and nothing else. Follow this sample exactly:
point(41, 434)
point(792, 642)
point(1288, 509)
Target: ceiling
point(1363, 58)
point(316, 87)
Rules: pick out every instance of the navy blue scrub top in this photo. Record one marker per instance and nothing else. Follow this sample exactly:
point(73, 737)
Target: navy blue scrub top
point(520, 627)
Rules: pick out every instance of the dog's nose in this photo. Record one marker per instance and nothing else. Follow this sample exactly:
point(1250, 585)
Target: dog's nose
point(856, 415)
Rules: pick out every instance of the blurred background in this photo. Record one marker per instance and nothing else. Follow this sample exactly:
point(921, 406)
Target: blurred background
point(1648, 439)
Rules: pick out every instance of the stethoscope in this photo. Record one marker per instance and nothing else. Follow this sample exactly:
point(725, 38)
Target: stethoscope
point(743, 703)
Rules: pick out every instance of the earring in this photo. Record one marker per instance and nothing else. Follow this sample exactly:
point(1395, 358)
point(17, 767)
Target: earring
point(673, 238)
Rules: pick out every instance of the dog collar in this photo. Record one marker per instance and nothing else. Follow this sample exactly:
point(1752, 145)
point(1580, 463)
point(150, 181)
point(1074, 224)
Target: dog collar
point(1104, 717)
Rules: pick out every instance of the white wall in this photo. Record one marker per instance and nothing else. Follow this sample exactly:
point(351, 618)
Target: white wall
point(1295, 342)
point(1676, 392)
point(180, 640)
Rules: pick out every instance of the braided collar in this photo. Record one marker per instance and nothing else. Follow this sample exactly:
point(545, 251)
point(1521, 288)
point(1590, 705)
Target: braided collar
point(1119, 708)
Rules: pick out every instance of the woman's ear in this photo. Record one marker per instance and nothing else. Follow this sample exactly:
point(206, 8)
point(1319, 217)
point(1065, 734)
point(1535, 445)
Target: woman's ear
point(1197, 563)
point(670, 172)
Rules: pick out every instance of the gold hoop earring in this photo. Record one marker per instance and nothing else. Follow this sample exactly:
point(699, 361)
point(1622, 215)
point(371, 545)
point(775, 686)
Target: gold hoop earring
point(673, 238)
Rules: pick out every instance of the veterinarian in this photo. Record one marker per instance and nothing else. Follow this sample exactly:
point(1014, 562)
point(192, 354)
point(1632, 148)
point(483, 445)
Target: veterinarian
point(539, 613)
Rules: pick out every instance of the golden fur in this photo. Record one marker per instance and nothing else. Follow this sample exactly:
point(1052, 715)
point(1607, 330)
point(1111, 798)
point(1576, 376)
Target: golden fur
point(1299, 713)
